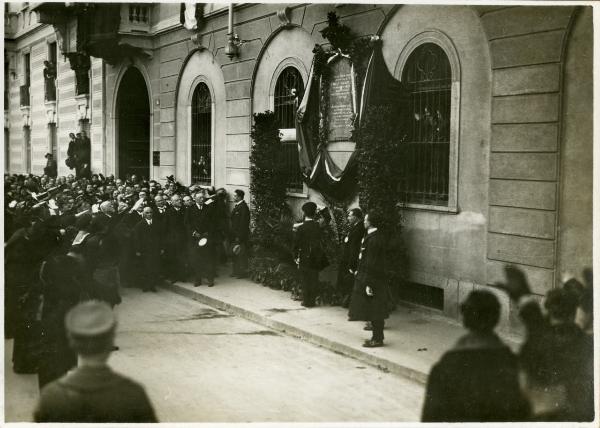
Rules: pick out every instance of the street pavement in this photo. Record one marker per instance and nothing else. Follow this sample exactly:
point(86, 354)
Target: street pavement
point(200, 364)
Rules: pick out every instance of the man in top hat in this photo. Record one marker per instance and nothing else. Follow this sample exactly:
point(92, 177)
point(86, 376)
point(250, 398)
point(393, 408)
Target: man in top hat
point(51, 168)
point(93, 392)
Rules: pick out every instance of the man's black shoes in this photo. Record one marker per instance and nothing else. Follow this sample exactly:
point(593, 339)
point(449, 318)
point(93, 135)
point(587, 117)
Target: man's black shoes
point(371, 343)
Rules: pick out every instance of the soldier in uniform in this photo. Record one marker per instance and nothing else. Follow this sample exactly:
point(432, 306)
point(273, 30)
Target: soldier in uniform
point(369, 300)
point(240, 233)
point(93, 392)
point(350, 251)
point(309, 253)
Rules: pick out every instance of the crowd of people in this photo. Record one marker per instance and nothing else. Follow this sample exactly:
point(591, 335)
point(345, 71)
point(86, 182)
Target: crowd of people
point(70, 239)
point(73, 241)
point(480, 379)
point(551, 378)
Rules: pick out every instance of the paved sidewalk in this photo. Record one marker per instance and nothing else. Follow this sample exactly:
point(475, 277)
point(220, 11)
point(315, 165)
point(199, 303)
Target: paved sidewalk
point(415, 338)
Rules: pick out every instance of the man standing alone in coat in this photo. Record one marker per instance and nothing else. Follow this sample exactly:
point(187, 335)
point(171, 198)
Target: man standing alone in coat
point(369, 300)
point(308, 252)
point(240, 233)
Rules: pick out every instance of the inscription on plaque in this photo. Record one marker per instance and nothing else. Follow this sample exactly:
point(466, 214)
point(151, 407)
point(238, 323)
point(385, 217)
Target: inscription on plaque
point(341, 108)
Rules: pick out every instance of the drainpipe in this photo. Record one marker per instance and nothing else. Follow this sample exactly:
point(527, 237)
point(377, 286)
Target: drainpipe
point(232, 48)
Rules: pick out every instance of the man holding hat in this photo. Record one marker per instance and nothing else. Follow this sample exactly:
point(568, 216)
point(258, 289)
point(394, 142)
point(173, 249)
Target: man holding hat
point(93, 392)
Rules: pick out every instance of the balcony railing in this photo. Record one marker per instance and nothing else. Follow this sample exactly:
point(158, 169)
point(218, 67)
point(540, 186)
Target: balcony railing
point(135, 18)
point(25, 96)
point(138, 13)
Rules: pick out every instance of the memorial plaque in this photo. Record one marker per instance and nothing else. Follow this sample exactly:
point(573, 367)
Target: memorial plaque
point(341, 108)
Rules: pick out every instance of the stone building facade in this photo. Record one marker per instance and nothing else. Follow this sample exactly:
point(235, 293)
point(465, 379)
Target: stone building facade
point(519, 161)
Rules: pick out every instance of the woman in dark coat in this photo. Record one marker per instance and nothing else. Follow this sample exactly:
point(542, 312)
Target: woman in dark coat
point(476, 380)
point(369, 301)
point(64, 284)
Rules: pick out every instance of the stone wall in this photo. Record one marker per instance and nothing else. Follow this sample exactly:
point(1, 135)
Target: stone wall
point(527, 46)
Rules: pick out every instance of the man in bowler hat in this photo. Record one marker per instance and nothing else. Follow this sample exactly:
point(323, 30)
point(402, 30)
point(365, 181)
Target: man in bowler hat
point(93, 392)
point(240, 233)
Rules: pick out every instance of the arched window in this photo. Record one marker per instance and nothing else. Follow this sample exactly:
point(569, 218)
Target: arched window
point(289, 90)
point(428, 75)
point(201, 135)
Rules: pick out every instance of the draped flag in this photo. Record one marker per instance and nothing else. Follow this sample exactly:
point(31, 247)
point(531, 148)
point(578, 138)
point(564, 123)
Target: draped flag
point(380, 88)
point(190, 15)
point(319, 171)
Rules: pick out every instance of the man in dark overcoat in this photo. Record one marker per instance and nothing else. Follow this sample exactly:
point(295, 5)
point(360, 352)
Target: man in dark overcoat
point(476, 380)
point(175, 240)
point(148, 244)
point(160, 218)
point(240, 234)
point(92, 392)
point(106, 265)
point(51, 168)
point(308, 252)
point(369, 301)
point(350, 251)
point(202, 231)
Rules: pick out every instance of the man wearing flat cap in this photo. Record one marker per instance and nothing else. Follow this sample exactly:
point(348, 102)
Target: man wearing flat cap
point(93, 392)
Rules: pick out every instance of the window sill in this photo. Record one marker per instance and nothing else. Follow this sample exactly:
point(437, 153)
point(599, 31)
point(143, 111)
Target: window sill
point(297, 195)
point(432, 208)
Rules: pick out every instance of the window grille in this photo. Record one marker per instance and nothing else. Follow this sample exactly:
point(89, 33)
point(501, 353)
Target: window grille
point(428, 76)
point(289, 90)
point(201, 135)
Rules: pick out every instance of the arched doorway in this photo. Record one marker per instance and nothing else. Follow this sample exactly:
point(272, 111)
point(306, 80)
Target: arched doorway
point(133, 126)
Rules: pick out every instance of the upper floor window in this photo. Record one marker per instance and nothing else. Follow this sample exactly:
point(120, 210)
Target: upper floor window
point(201, 135)
point(289, 90)
point(428, 75)
point(24, 89)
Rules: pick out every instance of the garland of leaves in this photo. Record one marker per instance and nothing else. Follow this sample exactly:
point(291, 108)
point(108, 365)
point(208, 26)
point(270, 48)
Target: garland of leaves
point(342, 40)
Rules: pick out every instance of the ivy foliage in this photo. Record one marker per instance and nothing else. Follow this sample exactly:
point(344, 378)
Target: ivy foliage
point(267, 180)
point(340, 36)
point(381, 151)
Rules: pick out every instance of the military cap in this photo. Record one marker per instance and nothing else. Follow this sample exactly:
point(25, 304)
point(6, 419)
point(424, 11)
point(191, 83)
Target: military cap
point(90, 319)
